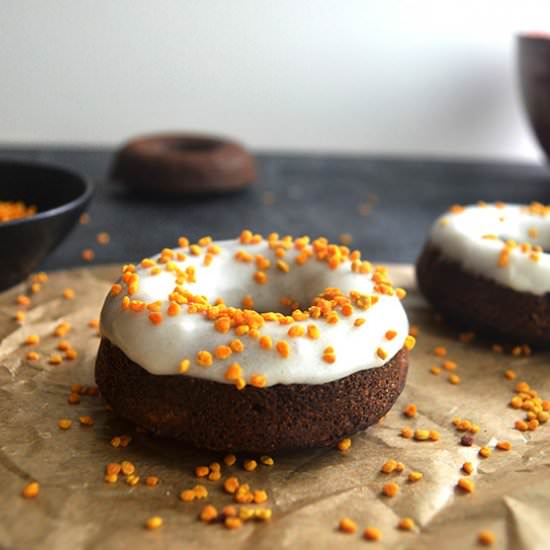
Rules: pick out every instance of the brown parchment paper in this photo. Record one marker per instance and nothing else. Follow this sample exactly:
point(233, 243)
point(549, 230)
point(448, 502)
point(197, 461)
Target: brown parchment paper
point(309, 491)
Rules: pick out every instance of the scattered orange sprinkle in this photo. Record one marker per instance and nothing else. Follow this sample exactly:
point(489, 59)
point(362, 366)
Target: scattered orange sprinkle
point(485, 452)
point(250, 465)
point(347, 525)
point(204, 358)
point(87, 255)
point(64, 423)
point(33, 356)
point(467, 485)
point(154, 522)
point(415, 476)
point(410, 410)
point(406, 524)
point(69, 294)
point(372, 533)
point(31, 490)
point(440, 351)
point(32, 340)
point(390, 489)
point(344, 444)
point(486, 538)
point(103, 238)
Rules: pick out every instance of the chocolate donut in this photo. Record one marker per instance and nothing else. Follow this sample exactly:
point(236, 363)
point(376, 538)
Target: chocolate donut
point(183, 164)
point(215, 416)
point(484, 268)
point(253, 344)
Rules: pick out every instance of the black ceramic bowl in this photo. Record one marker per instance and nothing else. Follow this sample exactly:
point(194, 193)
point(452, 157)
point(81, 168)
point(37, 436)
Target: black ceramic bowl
point(60, 197)
point(534, 74)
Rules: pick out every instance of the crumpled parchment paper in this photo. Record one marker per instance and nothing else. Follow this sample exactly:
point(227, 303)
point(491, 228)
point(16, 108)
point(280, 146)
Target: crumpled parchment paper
point(308, 491)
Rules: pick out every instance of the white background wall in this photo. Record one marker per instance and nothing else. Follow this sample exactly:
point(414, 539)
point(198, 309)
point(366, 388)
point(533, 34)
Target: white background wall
point(390, 76)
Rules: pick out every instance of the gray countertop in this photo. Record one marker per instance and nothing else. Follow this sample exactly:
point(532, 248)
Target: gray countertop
point(387, 204)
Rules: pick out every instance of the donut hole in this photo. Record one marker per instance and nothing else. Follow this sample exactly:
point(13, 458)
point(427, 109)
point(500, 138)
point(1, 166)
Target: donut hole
point(194, 145)
point(285, 293)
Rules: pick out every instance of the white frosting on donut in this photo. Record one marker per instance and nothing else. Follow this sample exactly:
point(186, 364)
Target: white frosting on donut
point(467, 236)
point(160, 348)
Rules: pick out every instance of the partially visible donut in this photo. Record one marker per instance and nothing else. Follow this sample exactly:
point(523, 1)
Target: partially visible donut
point(253, 344)
point(485, 267)
point(183, 164)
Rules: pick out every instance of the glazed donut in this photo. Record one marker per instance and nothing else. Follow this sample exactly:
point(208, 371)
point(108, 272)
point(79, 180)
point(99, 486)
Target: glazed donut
point(253, 344)
point(183, 164)
point(484, 267)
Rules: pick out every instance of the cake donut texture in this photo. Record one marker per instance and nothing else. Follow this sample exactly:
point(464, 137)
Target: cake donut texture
point(484, 267)
point(253, 344)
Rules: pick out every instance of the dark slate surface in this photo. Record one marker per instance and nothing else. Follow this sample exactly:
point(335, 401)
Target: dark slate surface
point(315, 195)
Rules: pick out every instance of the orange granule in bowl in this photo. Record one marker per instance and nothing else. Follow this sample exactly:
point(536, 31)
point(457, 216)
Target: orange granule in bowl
point(15, 210)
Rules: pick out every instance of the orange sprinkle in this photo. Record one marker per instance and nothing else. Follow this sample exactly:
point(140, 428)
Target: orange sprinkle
point(184, 366)
point(468, 468)
point(173, 309)
point(454, 379)
point(202, 471)
point(390, 489)
point(223, 352)
point(415, 476)
point(381, 353)
point(504, 445)
point(87, 255)
point(347, 525)
point(410, 342)
point(372, 533)
point(407, 432)
point(440, 351)
point(449, 365)
point(486, 538)
point(32, 340)
point(155, 318)
point(390, 334)
point(86, 421)
point(69, 294)
point(344, 445)
point(260, 277)
point(55, 359)
point(467, 485)
point(266, 342)
point(485, 452)
point(231, 484)
point(31, 490)
point(406, 524)
point(296, 331)
point(236, 345)
point(23, 300)
point(32, 356)
point(258, 380)
point(250, 465)
point(151, 481)
point(233, 372)
point(313, 332)
point(64, 423)
point(154, 522)
point(223, 324)
point(410, 410)
point(389, 466)
point(204, 358)
point(283, 348)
